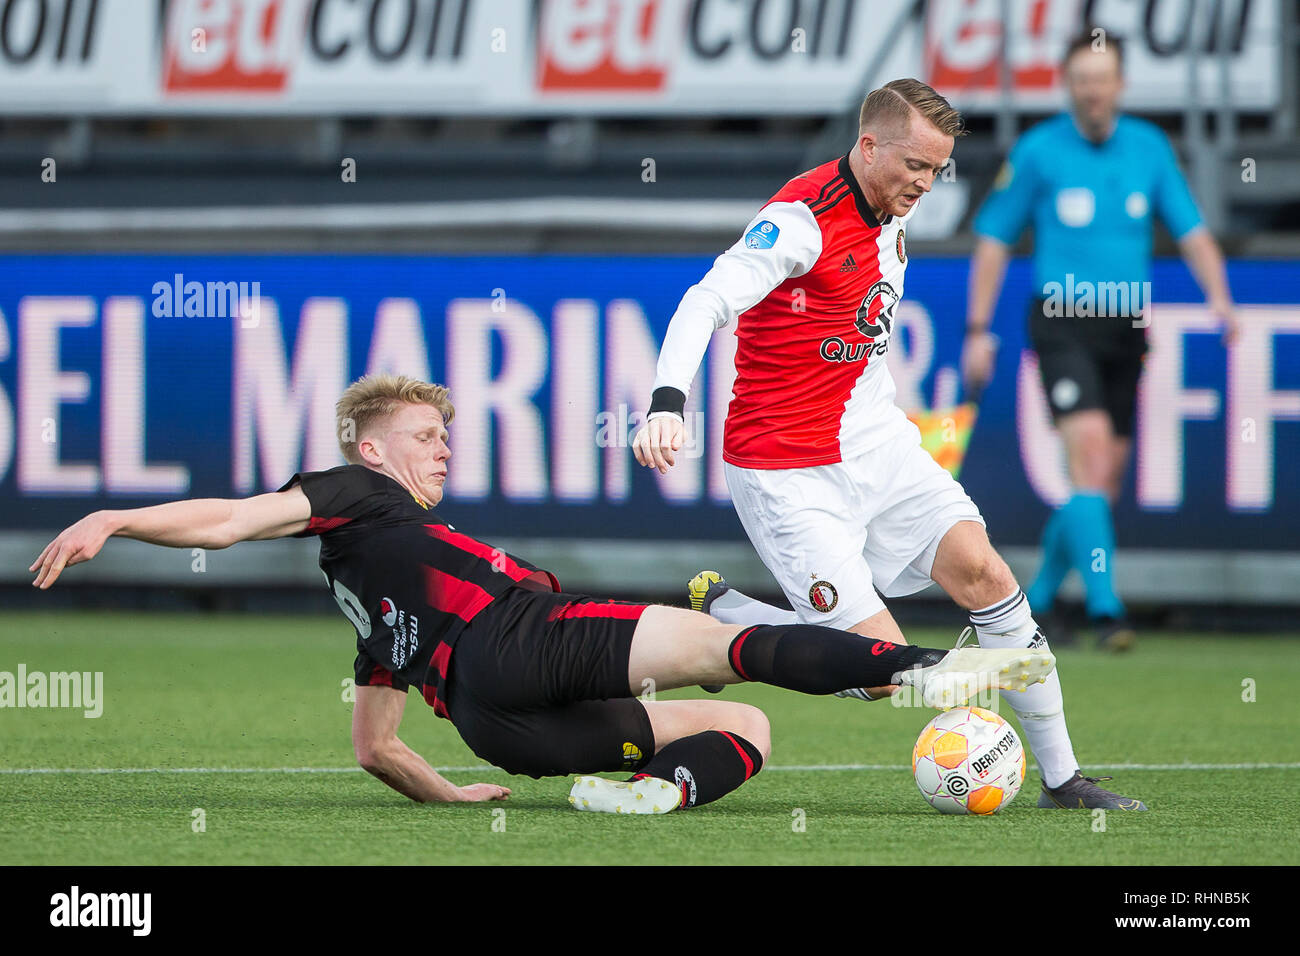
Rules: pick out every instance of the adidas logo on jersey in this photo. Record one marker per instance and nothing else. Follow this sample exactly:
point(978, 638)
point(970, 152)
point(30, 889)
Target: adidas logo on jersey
point(848, 265)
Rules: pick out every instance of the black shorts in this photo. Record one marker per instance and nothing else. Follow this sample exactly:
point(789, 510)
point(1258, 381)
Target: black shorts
point(1089, 363)
point(538, 685)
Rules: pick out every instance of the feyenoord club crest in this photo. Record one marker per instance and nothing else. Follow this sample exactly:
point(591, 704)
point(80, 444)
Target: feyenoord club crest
point(823, 596)
point(902, 250)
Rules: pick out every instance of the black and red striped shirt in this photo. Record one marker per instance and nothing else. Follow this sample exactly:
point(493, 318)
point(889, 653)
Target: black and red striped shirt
point(406, 580)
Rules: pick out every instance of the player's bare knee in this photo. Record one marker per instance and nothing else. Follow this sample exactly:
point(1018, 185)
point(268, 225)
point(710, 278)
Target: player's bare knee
point(980, 569)
point(676, 647)
point(987, 578)
point(998, 577)
point(752, 724)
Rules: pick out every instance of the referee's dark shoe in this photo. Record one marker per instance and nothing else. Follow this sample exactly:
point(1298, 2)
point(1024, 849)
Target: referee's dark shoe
point(702, 590)
point(1115, 634)
point(1082, 793)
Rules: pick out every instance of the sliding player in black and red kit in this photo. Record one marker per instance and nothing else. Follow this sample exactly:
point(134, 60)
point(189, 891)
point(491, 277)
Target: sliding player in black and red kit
point(537, 681)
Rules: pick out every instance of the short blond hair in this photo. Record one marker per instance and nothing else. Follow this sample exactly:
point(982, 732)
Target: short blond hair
point(371, 399)
point(891, 107)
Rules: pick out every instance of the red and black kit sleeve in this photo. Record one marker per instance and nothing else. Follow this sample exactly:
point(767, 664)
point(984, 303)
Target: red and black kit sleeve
point(340, 496)
point(370, 674)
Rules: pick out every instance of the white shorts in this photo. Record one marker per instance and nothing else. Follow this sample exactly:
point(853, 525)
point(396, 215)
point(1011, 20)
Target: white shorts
point(832, 534)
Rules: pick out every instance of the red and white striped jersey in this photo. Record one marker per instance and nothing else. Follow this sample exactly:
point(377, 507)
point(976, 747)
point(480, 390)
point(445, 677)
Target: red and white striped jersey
point(814, 283)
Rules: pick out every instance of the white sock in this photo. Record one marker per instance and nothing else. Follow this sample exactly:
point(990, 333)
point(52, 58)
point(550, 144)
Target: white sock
point(1041, 708)
point(733, 607)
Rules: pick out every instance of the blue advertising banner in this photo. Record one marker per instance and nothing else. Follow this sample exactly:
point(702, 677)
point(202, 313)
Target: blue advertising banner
point(131, 380)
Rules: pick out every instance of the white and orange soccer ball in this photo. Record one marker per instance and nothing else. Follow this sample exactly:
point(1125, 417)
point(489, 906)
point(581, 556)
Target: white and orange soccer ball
point(968, 760)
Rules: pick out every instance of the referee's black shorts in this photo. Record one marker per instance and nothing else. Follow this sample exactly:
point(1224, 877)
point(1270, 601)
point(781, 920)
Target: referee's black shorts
point(538, 685)
point(1089, 362)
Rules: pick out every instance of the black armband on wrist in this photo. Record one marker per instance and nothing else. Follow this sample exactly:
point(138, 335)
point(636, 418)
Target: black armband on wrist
point(668, 400)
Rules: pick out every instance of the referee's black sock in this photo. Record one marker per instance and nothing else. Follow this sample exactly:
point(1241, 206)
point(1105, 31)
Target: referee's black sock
point(705, 766)
point(822, 660)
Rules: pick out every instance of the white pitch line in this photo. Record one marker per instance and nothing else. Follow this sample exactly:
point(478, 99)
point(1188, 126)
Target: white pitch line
point(1099, 766)
point(484, 768)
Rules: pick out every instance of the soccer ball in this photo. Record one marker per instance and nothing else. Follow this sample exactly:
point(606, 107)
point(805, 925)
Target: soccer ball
point(968, 760)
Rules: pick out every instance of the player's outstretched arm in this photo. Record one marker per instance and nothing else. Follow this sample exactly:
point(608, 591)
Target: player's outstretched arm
point(783, 240)
point(211, 523)
point(375, 719)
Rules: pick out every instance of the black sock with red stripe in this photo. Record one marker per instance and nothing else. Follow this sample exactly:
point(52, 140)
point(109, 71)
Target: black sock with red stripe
point(705, 766)
point(822, 660)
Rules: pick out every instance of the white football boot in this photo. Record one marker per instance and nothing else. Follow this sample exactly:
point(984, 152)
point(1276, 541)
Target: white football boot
point(644, 795)
point(965, 672)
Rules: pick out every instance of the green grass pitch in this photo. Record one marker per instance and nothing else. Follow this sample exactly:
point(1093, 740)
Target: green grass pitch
point(245, 692)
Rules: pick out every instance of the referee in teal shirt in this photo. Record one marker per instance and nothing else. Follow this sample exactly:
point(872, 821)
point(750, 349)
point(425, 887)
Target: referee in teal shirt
point(1090, 181)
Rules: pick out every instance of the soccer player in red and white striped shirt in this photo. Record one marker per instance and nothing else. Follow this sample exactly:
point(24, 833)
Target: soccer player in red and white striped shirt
point(826, 473)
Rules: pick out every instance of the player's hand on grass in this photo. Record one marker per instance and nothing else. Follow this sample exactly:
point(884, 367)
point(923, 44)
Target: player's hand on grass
point(76, 544)
point(483, 792)
point(656, 442)
point(979, 351)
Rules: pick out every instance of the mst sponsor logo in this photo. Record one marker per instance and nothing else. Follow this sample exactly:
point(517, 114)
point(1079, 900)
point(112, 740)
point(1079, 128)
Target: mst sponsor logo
point(406, 632)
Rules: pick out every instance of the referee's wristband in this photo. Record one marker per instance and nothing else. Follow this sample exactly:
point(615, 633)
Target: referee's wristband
point(670, 400)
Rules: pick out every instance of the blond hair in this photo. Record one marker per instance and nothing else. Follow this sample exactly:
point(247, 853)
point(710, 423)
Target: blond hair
point(371, 399)
point(891, 107)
